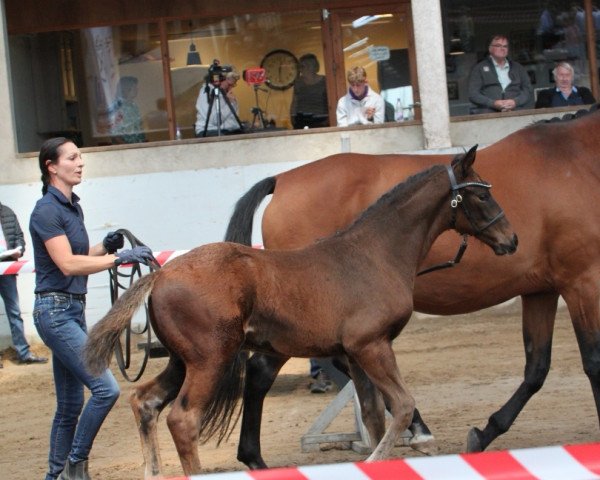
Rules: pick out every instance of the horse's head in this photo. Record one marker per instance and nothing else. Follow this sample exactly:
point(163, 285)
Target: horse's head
point(475, 210)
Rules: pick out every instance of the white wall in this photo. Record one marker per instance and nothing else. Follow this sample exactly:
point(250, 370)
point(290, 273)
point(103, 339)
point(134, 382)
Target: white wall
point(167, 211)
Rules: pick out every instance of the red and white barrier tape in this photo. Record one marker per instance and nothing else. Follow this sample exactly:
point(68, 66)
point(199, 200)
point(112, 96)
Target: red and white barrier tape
point(574, 462)
point(26, 266)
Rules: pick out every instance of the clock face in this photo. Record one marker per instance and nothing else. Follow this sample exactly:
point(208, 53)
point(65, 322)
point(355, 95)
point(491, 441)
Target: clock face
point(282, 69)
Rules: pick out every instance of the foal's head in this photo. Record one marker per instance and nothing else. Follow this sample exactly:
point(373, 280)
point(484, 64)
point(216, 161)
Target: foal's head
point(475, 210)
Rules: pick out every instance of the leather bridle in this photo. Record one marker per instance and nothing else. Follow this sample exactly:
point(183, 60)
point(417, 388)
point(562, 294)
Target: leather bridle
point(454, 203)
point(457, 200)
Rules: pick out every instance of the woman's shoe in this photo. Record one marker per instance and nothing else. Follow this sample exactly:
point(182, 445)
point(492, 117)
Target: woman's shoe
point(75, 471)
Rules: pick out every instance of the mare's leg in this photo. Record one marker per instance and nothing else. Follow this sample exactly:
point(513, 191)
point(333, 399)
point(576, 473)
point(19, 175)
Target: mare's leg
point(378, 361)
point(147, 401)
point(539, 312)
point(261, 371)
point(583, 303)
point(422, 439)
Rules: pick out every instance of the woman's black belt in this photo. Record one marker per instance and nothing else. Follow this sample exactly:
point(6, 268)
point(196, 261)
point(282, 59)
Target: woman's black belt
point(72, 296)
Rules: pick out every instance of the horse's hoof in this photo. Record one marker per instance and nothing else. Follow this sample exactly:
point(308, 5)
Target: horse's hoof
point(424, 443)
point(474, 440)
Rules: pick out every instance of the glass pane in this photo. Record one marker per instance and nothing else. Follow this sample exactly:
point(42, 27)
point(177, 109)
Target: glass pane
point(99, 86)
point(243, 44)
point(378, 42)
point(123, 84)
point(541, 34)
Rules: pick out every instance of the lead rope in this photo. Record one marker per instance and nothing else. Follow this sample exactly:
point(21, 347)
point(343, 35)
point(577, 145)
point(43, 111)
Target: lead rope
point(450, 263)
point(122, 281)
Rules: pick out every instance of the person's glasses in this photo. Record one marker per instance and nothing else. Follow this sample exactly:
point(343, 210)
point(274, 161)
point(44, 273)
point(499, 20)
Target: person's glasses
point(499, 45)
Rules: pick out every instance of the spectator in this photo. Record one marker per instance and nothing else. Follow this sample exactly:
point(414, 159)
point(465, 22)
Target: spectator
point(223, 117)
point(498, 84)
point(309, 101)
point(63, 260)
point(564, 93)
point(321, 382)
point(361, 105)
point(126, 118)
point(11, 239)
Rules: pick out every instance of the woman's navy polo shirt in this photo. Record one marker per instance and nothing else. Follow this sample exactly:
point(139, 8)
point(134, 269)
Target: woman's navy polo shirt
point(52, 216)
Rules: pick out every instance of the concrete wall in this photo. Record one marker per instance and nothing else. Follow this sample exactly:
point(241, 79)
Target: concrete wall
point(190, 205)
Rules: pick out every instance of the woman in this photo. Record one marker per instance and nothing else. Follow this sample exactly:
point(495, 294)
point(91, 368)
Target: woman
point(63, 260)
point(309, 100)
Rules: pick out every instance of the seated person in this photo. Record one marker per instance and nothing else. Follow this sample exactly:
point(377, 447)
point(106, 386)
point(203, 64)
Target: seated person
point(224, 107)
point(564, 93)
point(497, 84)
point(361, 105)
point(126, 120)
point(309, 101)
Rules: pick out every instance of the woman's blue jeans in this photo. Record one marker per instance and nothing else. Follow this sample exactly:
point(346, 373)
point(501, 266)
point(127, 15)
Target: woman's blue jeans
point(60, 322)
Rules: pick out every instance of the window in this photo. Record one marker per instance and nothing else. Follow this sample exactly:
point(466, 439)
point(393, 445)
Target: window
point(275, 41)
point(140, 82)
point(541, 34)
point(99, 86)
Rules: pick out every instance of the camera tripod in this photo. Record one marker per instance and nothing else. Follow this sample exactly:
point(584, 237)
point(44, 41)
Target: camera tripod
point(257, 112)
point(214, 100)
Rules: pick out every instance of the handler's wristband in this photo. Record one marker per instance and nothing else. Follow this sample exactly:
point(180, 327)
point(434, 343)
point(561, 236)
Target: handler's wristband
point(118, 261)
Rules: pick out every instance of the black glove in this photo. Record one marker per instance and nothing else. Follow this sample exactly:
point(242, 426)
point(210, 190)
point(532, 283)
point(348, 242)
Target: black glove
point(135, 255)
point(113, 241)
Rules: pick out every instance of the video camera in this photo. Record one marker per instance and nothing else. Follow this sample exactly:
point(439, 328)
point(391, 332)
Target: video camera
point(255, 76)
point(217, 72)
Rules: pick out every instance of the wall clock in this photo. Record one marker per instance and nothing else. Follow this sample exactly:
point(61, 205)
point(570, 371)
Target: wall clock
point(281, 67)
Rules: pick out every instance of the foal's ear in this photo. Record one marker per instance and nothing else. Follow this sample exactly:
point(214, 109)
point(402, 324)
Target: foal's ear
point(468, 159)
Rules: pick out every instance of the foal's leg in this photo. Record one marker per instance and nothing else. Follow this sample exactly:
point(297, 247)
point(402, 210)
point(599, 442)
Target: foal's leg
point(422, 439)
point(147, 401)
point(378, 361)
point(372, 406)
point(261, 371)
point(185, 415)
point(539, 312)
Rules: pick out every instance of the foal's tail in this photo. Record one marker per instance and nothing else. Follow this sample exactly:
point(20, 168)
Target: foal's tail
point(105, 334)
point(239, 229)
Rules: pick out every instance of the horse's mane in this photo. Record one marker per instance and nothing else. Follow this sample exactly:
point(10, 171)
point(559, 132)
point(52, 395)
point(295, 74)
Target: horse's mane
point(399, 191)
point(570, 116)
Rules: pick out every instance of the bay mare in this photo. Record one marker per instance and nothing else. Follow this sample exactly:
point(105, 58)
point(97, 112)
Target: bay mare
point(350, 294)
point(547, 178)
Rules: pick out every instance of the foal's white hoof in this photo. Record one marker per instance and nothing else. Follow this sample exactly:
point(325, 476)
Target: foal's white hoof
point(424, 443)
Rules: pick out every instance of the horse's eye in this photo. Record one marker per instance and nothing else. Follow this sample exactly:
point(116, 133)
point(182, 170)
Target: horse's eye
point(484, 197)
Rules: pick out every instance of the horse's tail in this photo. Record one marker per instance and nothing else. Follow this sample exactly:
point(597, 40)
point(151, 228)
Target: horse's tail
point(239, 229)
point(220, 411)
point(218, 417)
point(105, 334)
